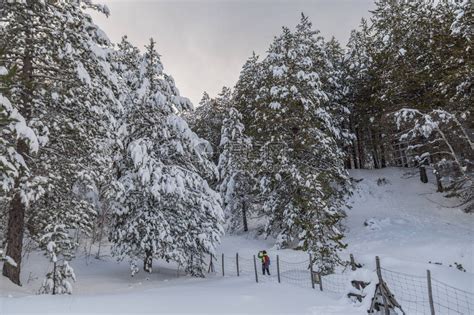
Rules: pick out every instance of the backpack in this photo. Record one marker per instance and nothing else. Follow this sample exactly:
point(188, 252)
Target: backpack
point(267, 259)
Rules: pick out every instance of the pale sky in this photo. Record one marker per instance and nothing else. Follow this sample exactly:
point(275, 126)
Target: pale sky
point(204, 43)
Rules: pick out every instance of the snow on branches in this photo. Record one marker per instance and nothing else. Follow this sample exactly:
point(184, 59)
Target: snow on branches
point(164, 207)
point(440, 138)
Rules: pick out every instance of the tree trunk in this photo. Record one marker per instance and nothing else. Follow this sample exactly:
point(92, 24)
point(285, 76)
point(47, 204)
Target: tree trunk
point(438, 182)
point(423, 176)
point(382, 151)
point(54, 279)
point(16, 213)
point(374, 148)
point(244, 217)
point(360, 149)
point(16, 225)
point(148, 261)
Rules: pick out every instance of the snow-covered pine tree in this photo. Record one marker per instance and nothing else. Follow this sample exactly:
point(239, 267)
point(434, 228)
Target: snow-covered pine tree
point(235, 180)
point(57, 242)
point(299, 164)
point(334, 85)
point(63, 90)
point(206, 120)
point(361, 84)
point(164, 207)
point(246, 89)
point(12, 127)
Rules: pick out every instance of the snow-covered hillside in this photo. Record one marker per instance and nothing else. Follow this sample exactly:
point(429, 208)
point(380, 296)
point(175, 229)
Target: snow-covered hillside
point(408, 225)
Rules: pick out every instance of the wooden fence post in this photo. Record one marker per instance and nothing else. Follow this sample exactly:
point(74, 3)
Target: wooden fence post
point(255, 268)
point(237, 263)
point(223, 264)
point(311, 270)
point(430, 292)
point(379, 276)
point(353, 266)
point(278, 268)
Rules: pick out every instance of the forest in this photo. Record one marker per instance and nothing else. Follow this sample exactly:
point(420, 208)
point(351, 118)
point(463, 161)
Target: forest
point(97, 144)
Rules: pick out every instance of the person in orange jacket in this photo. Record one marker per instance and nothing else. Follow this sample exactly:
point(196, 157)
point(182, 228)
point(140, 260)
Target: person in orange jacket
point(265, 261)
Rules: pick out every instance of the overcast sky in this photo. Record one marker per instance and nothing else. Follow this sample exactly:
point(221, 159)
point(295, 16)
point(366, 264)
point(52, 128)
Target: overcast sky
point(204, 43)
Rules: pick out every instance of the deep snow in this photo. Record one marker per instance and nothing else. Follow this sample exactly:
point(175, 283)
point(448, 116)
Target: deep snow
point(409, 225)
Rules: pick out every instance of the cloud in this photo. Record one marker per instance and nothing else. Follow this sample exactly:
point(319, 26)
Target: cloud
point(204, 43)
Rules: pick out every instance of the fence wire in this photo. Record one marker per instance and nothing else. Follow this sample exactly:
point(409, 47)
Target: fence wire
point(450, 300)
point(336, 283)
point(411, 291)
point(296, 273)
point(412, 294)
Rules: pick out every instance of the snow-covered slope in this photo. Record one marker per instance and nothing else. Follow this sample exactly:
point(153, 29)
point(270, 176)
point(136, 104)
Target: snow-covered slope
point(409, 226)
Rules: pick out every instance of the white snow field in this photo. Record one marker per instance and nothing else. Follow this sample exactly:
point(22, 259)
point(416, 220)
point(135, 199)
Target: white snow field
point(409, 225)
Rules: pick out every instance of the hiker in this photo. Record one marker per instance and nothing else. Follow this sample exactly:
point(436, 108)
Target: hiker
point(265, 261)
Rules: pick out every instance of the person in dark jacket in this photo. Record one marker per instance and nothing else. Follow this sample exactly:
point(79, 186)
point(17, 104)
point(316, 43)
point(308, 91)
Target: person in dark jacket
point(265, 261)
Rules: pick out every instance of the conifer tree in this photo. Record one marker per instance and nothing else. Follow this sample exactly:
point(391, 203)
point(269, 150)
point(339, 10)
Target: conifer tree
point(164, 207)
point(235, 179)
point(63, 92)
point(206, 120)
point(295, 136)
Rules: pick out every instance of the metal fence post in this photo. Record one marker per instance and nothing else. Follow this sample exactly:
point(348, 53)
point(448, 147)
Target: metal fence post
point(223, 264)
point(255, 268)
point(311, 270)
point(430, 292)
point(278, 268)
point(237, 263)
point(320, 281)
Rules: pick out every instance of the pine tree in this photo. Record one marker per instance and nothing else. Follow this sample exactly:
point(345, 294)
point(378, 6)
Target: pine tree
point(206, 120)
point(363, 85)
point(412, 63)
point(235, 179)
point(164, 206)
point(246, 89)
point(63, 92)
point(295, 134)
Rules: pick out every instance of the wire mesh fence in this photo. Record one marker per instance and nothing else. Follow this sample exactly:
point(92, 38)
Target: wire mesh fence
point(295, 272)
point(416, 294)
point(423, 295)
point(451, 300)
point(409, 290)
point(338, 283)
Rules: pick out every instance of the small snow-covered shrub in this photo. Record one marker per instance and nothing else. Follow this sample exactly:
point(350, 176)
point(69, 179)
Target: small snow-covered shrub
point(58, 281)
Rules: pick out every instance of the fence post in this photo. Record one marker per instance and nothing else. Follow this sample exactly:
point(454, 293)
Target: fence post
point(222, 264)
point(278, 268)
point(320, 281)
point(211, 266)
point(377, 266)
point(255, 268)
point(379, 276)
point(311, 270)
point(430, 292)
point(353, 266)
point(237, 263)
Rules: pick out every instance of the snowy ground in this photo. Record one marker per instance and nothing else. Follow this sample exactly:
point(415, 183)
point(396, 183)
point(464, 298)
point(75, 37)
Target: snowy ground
point(413, 225)
point(410, 225)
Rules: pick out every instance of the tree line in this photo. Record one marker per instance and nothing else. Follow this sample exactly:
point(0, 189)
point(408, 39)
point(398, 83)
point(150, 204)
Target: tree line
point(97, 143)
